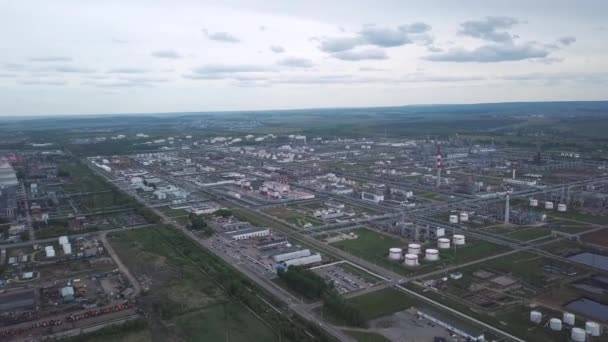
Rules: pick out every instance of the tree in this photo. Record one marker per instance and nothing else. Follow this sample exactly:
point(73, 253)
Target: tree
point(198, 223)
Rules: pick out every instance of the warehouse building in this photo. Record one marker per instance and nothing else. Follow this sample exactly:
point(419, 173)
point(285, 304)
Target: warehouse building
point(307, 260)
point(248, 233)
point(291, 255)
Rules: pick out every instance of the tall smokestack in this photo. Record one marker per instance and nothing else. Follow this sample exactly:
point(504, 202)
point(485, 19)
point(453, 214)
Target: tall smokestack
point(438, 165)
point(507, 209)
point(513, 173)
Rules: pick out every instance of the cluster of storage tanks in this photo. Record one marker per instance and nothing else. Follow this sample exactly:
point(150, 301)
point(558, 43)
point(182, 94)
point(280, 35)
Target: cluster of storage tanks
point(64, 243)
point(592, 329)
point(561, 207)
point(414, 250)
point(462, 217)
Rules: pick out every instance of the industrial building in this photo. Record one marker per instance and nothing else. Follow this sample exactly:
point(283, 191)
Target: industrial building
point(307, 260)
point(291, 255)
point(248, 233)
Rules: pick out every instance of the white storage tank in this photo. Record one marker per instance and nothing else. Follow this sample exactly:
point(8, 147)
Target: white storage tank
point(414, 248)
point(562, 208)
point(578, 335)
point(569, 318)
point(431, 254)
point(453, 218)
point(536, 317)
point(548, 205)
point(555, 324)
point(395, 253)
point(533, 202)
point(464, 217)
point(443, 243)
point(63, 240)
point(50, 253)
point(459, 240)
point(593, 329)
point(411, 260)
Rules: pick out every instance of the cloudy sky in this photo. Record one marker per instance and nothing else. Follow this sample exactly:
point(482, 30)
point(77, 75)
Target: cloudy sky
point(135, 56)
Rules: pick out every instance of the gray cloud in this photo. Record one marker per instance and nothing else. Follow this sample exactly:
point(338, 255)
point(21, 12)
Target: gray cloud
point(223, 69)
point(367, 68)
point(170, 54)
point(369, 54)
point(340, 44)
point(434, 48)
point(384, 37)
point(277, 48)
point(221, 36)
point(417, 27)
point(6, 75)
point(14, 66)
point(143, 79)
point(380, 37)
point(567, 40)
point(118, 84)
point(492, 53)
point(71, 69)
point(42, 82)
point(262, 28)
point(127, 71)
point(489, 28)
point(50, 59)
point(296, 62)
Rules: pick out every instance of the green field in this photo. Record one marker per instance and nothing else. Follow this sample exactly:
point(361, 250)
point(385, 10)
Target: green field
point(229, 322)
point(527, 234)
point(187, 300)
point(382, 302)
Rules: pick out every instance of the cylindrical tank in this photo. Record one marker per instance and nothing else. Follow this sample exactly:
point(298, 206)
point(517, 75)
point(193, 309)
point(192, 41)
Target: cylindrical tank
point(443, 243)
point(578, 335)
point(453, 218)
point(395, 253)
point(536, 317)
point(464, 217)
point(555, 324)
point(413, 248)
point(592, 329)
point(548, 205)
point(459, 240)
point(533, 202)
point(431, 254)
point(562, 207)
point(569, 318)
point(411, 260)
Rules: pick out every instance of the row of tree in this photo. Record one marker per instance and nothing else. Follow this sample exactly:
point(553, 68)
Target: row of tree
point(334, 305)
point(313, 286)
point(305, 282)
point(199, 224)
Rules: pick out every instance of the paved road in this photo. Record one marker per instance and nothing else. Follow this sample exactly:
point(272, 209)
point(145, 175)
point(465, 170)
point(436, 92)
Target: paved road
point(265, 283)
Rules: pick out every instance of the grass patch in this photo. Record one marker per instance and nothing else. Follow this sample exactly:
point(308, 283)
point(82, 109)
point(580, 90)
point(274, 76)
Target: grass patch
point(382, 302)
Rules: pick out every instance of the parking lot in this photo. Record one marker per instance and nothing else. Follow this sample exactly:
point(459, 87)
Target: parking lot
point(343, 280)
